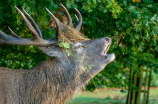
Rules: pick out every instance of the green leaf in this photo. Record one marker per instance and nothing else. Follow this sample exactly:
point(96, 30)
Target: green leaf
point(61, 44)
point(128, 30)
point(131, 8)
point(66, 45)
point(99, 1)
point(150, 5)
point(94, 1)
point(68, 53)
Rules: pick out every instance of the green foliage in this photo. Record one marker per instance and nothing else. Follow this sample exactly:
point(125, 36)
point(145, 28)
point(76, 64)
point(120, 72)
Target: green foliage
point(64, 45)
point(17, 57)
point(134, 30)
point(133, 27)
point(154, 79)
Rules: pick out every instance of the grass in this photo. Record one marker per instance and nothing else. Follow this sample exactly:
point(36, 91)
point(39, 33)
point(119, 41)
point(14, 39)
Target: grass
point(110, 96)
point(153, 96)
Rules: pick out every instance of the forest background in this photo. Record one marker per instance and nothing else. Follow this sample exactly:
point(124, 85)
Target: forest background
point(132, 25)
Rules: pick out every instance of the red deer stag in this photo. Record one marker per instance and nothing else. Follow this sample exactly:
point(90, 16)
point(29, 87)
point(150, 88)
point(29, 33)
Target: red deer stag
point(57, 79)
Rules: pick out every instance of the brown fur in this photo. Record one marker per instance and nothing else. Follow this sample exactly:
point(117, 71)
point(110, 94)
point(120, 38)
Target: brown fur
point(43, 84)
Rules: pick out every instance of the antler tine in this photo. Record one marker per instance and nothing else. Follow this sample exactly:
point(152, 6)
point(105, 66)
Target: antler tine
point(68, 15)
point(78, 21)
point(35, 25)
point(76, 18)
point(4, 38)
point(58, 24)
point(36, 36)
point(13, 34)
point(78, 25)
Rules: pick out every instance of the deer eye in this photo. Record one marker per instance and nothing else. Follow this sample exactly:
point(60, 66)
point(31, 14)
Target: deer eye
point(78, 46)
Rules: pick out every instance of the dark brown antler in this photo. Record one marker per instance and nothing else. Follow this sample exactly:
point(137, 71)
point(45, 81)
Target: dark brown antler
point(13, 34)
point(35, 25)
point(37, 35)
point(79, 20)
point(68, 15)
point(78, 25)
point(37, 40)
point(58, 24)
point(76, 18)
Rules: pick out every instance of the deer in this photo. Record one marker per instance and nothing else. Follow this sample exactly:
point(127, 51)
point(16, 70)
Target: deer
point(59, 78)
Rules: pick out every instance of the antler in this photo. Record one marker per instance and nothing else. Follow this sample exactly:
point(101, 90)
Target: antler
point(37, 35)
point(79, 21)
point(78, 25)
point(68, 15)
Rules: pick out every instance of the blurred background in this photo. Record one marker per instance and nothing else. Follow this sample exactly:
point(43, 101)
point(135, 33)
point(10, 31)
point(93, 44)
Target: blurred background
point(132, 25)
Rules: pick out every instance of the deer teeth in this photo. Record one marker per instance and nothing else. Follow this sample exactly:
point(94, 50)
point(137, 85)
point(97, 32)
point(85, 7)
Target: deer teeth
point(105, 51)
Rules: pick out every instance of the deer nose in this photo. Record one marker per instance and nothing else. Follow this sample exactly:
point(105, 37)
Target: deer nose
point(107, 39)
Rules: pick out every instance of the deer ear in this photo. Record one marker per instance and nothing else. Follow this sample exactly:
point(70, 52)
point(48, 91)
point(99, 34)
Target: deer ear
point(50, 51)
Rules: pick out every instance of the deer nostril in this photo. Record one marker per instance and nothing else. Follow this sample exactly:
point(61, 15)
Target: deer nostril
point(108, 40)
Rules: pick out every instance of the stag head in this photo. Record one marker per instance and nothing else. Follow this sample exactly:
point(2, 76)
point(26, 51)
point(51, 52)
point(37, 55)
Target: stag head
point(90, 56)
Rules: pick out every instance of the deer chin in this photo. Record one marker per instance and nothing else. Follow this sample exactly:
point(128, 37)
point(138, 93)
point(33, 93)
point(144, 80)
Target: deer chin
point(102, 64)
point(110, 57)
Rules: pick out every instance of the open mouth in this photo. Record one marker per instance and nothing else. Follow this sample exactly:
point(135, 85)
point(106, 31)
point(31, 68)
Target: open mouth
point(106, 50)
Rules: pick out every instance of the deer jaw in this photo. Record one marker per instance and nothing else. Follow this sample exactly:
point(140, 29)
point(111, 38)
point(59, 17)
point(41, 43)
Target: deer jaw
point(89, 56)
point(93, 55)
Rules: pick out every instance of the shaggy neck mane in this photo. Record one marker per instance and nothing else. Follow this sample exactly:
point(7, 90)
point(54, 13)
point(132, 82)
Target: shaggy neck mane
point(47, 83)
